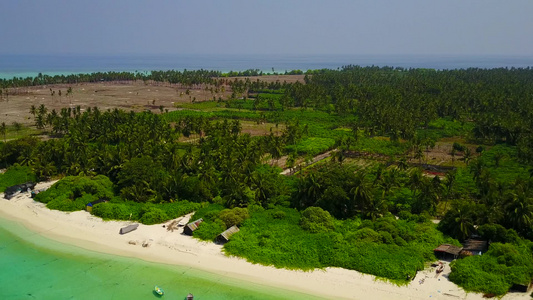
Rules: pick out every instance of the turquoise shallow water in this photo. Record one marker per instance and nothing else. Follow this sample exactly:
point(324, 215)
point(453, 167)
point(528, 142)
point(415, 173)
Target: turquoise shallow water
point(21, 65)
point(33, 267)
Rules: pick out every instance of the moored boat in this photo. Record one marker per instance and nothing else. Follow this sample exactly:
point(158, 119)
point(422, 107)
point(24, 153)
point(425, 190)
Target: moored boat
point(159, 291)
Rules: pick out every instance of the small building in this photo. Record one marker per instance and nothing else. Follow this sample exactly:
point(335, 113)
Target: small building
point(447, 251)
point(225, 236)
point(476, 247)
point(191, 227)
point(89, 206)
point(128, 228)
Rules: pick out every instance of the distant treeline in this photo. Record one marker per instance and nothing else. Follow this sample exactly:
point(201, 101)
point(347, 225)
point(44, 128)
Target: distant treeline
point(186, 77)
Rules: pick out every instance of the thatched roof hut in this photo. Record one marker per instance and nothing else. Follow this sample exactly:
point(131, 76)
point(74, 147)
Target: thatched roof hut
point(128, 228)
point(476, 247)
point(189, 228)
point(447, 251)
point(225, 236)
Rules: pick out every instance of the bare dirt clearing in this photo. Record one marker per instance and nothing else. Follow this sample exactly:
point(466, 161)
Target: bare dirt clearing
point(127, 95)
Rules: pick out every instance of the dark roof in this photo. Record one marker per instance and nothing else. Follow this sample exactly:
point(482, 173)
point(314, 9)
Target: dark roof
point(224, 236)
point(475, 245)
point(450, 249)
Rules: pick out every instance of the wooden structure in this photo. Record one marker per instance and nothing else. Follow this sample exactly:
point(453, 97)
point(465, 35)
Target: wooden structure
point(128, 228)
point(225, 236)
point(191, 227)
point(89, 206)
point(476, 247)
point(446, 251)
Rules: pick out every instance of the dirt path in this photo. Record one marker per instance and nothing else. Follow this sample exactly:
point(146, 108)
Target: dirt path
point(289, 171)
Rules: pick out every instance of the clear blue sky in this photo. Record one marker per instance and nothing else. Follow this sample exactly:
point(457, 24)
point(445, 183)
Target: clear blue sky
point(463, 27)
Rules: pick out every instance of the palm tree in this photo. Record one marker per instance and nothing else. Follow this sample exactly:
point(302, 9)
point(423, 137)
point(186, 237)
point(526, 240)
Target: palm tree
point(402, 164)
point(33, 110)
point(464, 222)
point(419, 154)
point(3, 130)
point(520, 211)
point(452, 153)
point(361, 192)
point(17, 126)
point(498, 156)
point(448, 185)
point(467, 155)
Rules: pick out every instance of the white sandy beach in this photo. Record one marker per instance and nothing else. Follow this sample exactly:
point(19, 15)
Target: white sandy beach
point(86, 231)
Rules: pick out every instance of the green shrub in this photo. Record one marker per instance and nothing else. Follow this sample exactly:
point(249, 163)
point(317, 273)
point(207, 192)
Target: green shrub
point(234, 216)
point(16, 175)
point(495, 271)
point(153, 215)
point(365, 235)
point(315, 220)
point(458, 147)
point(208, 231)
point(74, 192)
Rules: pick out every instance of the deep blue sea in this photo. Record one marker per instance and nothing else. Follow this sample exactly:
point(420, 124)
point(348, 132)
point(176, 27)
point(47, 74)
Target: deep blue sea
point(31, 65)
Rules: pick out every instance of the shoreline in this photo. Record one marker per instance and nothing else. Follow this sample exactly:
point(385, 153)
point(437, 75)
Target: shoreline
point(83, 230)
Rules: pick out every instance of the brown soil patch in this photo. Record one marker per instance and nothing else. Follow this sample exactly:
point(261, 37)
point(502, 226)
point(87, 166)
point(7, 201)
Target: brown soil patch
point(254, 129)
point(441, 155)
point(127, 95)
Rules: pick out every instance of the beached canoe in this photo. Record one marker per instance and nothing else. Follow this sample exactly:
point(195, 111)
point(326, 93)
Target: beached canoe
point(159, 291)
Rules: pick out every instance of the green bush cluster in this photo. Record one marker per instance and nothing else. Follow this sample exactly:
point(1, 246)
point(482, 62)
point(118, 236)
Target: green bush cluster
point(380, 146)
point(217, 219)
point(16, 175)
point(146, 213)
point(74, 192)
point(388, 248)
point(315, 220)
point(233, 216)
point(496, 271)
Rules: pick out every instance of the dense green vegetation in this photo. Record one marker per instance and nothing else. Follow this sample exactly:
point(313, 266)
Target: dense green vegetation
point(389, 248)
point(507, 262)
point(336, 213)
point(16, 175)
point(74, 192)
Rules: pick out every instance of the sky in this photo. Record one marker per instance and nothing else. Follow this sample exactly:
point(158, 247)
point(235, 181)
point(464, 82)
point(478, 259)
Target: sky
point(438, 27)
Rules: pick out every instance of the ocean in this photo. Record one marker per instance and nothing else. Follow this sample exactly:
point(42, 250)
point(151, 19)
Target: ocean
point(34, 267)
point(32, 65)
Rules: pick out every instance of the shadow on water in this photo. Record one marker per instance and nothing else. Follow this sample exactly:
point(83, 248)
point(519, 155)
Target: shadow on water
point(156, 294)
